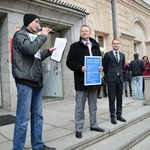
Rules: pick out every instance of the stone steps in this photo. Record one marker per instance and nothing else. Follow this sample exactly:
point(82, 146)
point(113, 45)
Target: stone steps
point(142, 145)
point(124, 139)
point(122, 136)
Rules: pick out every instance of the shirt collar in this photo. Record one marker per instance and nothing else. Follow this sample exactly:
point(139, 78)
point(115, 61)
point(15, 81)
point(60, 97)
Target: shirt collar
point(86, 41)
point(115, 51)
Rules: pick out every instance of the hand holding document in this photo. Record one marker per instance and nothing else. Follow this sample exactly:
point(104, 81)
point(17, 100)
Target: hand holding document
point(59, 44)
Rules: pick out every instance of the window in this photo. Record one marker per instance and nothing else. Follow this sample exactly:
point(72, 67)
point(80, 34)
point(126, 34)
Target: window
point(101, 41)
point(137, 46)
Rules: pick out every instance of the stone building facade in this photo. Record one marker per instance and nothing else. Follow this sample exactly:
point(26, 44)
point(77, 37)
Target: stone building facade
point(108, 19)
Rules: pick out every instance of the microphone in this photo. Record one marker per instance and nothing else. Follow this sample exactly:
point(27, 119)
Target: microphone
point(40, 28)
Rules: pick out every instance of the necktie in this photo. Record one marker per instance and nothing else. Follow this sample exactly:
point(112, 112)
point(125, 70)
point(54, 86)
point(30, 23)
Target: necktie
point(116, 56)
point(87, 44)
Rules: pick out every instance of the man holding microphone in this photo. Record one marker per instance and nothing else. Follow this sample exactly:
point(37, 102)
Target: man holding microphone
point(28, 74)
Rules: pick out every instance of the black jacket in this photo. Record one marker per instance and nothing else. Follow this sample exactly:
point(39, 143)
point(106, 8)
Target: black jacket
point(127, 73)
point(112, 67)
point(136, 67)
point(27, 69)
point(75, 61)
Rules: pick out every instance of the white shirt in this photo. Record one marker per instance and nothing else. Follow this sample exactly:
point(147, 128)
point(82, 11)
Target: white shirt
point(117, 55)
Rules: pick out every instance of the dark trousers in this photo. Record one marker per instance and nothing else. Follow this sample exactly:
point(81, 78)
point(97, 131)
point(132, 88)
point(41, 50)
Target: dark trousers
point(126, 84)
point(104, 88)
point(115, 90)
point(143, 85)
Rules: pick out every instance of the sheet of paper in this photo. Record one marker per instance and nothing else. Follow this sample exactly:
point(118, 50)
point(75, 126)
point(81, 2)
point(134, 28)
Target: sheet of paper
point(59, 44)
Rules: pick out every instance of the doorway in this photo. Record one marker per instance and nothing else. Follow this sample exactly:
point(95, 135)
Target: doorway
point(52, 82)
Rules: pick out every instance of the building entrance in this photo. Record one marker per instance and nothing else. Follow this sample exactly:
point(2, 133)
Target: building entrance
point(52, 83)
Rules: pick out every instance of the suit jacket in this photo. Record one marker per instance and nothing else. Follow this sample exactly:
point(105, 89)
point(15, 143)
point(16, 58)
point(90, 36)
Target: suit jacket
point(112, 68)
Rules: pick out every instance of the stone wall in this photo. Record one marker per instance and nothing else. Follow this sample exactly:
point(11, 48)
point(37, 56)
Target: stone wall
point(133, 26)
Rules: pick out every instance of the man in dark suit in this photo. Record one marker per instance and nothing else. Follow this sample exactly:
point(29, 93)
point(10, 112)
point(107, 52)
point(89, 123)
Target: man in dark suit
point(113, 68)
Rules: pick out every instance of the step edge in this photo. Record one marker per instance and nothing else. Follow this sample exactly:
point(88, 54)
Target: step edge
point(135, 140)
point(110, 132)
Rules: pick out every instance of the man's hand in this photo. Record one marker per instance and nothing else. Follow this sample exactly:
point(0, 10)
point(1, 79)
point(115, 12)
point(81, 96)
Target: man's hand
point(100, 68)
point(46, 30)
point(52, 49)
point(83, 69)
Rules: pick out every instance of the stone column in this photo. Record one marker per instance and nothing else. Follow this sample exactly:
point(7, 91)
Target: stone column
point(147, 90)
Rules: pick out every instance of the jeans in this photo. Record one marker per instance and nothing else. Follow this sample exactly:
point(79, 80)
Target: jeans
point(29, 105)
point(126, 84)
point(137, 87)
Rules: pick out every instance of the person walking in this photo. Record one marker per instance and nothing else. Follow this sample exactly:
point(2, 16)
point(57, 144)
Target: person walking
point(86, 46)
point(113, 68)
point(99, 92)
point(27, 72)
point(127, 79)
point(137, 67)
point(146, 72)
point(102, 86)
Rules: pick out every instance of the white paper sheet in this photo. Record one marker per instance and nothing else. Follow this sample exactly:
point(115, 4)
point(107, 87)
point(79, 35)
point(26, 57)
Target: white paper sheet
point(59, 44)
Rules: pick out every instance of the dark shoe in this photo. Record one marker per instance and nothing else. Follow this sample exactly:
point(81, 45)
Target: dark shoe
point(120, 118)
point(47, 148)
point(126, 94)
point(131, 94)
point(113, 121)
point(105, 95)
point(99, 97)
point(98, 129)
point(78, 135)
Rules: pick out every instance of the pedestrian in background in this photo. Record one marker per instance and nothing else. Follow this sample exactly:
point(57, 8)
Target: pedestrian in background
point(137, 67)
point(114, 61)
point(28, 74)
point(127, 79)
point(146, 72)
point(102, 86)
point(86, 46)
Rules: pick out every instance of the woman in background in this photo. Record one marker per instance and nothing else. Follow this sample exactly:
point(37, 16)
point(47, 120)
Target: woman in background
point(146, 72)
